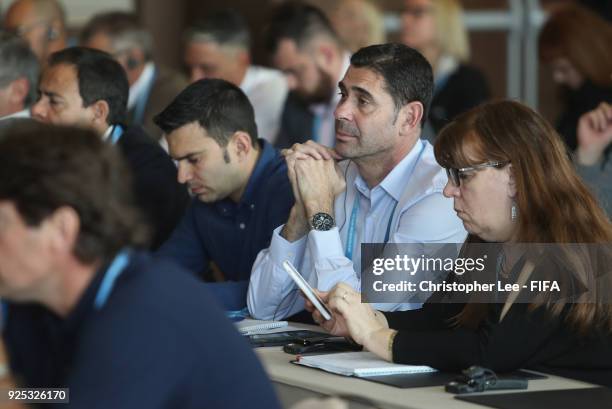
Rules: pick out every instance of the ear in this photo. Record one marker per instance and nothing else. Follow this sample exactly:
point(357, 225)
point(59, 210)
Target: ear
point(324, 54)
point(63, 225)
point(409, 117)
point(511, 181)
point(244, 58)
point(20, 89)
point(241, 145)
point(101, 111)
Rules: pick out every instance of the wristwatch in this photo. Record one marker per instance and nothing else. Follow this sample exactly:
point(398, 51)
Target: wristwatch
point(322, 222)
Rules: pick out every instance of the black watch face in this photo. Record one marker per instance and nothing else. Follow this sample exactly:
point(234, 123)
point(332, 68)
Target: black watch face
point(322, 221)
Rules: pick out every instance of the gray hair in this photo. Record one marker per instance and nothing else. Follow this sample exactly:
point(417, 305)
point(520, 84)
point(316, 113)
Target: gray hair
point(124, 30)
point(18, 61)
point(225, 28)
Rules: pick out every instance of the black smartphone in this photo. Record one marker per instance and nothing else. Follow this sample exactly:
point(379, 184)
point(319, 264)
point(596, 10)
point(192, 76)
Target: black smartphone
point(334, 344)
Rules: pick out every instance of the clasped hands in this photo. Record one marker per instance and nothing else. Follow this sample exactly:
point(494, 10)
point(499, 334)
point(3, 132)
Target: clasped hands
point(315, 177)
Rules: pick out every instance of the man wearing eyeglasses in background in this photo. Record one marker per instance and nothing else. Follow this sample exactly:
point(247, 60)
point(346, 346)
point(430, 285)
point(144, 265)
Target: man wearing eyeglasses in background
point(152, 86)
point(42, 23)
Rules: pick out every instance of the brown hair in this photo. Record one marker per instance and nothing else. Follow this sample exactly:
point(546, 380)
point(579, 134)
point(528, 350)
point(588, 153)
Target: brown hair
point(582, 37)
point(554, 205)
point(46, 167)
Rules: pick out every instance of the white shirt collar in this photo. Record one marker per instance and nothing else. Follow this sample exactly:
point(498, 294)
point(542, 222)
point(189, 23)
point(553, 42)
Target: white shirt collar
point(141, 84)
point(21, 114)
point(107, 133)
point(446, 65)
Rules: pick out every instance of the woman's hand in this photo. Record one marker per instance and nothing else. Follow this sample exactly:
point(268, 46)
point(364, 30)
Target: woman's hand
point(351, 317)
point(594, 134)
point(335, 326)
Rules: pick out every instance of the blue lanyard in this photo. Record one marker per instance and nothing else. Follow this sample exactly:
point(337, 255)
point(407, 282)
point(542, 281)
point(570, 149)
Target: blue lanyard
point(110, 276)
point(141, 104)
point(316, 128)
point(116, 134)
point(350, 235)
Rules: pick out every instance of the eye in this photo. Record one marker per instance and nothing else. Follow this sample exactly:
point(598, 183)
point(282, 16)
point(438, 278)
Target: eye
point(363, 101)
point(193, 160)
point(464, 175)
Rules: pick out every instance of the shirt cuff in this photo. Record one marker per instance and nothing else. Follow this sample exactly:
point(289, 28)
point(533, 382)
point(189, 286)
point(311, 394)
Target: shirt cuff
point(325, 244)
point(282, 249)
point(590, 172)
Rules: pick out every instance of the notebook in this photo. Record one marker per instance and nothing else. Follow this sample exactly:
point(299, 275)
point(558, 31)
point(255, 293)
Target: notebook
point(360, 364)
point(252, 327)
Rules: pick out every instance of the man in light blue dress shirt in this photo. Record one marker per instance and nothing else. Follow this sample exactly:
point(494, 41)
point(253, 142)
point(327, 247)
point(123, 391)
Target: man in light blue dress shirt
point(387, 187)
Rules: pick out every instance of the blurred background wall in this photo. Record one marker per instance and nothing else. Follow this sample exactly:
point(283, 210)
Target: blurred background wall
point(167, 20)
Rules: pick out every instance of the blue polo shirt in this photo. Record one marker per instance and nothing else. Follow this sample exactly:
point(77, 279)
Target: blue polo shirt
point(157, 342)
point(232, 234)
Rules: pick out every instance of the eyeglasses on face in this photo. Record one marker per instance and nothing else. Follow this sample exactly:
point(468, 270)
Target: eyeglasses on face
point(455, 175)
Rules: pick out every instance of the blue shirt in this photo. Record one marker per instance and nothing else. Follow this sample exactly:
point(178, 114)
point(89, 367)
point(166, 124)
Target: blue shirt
point(406, 207)
point(231, 234)
point(158, 342)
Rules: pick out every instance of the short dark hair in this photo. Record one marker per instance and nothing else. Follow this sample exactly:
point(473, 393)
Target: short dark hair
point(45, 167)
point(100, 78)
point(299, 22)
point(407, 74)
point(226, 28)
point(218, 106)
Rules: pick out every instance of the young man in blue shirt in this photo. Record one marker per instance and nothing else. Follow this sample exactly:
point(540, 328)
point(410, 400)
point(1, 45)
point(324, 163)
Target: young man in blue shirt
point(87, 310)
point(239, 183)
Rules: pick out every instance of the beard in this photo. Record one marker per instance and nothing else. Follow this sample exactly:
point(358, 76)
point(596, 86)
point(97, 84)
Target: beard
point(322, 92)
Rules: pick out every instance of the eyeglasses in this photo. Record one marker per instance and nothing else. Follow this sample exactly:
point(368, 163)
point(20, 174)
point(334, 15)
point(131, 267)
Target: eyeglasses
point(455, 175)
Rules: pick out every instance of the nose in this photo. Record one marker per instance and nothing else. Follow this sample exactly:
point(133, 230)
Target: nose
point(184, 172)
point(39, 111)
point(342, 111)
point(450, 190)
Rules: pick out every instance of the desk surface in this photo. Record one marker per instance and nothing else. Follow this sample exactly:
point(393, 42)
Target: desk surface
point(282, 372)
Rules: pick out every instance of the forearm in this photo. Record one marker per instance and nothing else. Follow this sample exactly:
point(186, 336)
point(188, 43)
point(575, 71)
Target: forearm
point(380, 342)
point(321, 205)
point(270, 289)
point(297, 224)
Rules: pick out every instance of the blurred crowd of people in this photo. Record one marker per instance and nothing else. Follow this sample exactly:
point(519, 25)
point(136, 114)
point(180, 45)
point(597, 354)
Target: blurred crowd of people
point(229, 168)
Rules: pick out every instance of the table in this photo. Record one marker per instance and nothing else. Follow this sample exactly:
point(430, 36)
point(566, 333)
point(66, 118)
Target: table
point(294, 383)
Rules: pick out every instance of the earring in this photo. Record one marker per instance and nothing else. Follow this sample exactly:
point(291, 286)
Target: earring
point(513, 212)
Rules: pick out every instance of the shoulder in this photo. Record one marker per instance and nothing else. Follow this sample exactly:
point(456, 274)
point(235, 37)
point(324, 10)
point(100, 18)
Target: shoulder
point(467, 72)
point(157, 294)
point(266, 76)
point(139, 146)
point(168, 79)
point(428, 176)
point(275, 177)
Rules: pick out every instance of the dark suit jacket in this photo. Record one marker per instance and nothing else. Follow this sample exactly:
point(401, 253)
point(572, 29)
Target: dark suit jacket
point(296, 123)
point(167, 85)
point(158, 193)
point(466, 88)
